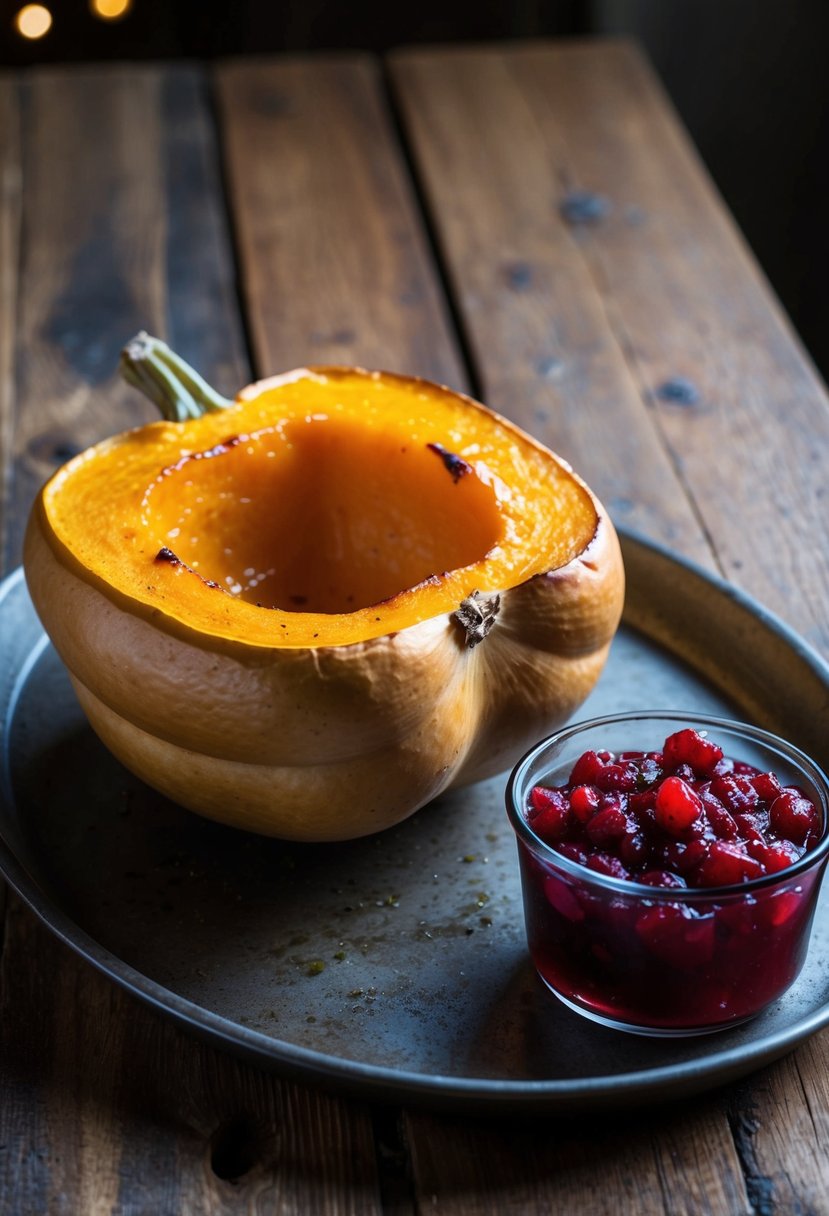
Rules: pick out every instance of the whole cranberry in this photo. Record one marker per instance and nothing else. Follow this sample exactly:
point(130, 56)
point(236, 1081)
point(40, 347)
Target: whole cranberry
point(677, 806)
point(792, 816)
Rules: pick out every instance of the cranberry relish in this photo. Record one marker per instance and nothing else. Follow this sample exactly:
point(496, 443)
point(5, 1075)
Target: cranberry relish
point(684, 817)
point(721, 866)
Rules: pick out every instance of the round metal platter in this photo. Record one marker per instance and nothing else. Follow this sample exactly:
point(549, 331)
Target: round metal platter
point(393, 967)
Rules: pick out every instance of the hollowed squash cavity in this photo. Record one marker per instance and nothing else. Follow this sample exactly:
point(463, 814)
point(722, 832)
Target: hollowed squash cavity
point(318, 516)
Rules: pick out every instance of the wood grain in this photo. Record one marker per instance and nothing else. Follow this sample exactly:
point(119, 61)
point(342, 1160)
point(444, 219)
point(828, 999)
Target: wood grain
point(333, 256)
point(11, 182)
point(739, 412)
point(117, 227)
point(104, 1108)
point(692, 306)
point(611, 307)
point(10, 214)
point(610, 303)
point(108, 1109)
point(537, 320)
point(781, 1121)
point(677, 1162)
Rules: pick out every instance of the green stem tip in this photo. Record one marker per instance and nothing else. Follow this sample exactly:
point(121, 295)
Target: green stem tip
point(173, 385)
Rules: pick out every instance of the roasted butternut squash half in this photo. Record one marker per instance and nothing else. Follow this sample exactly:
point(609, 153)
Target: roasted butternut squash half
point(309, 611)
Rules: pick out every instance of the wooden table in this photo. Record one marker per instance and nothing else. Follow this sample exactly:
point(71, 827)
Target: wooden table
point(529, 223)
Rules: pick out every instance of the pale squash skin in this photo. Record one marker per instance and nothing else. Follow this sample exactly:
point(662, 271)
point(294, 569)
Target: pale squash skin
point(334, 742)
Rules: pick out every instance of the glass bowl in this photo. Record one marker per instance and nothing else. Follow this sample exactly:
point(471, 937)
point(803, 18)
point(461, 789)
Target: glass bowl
point(661, 960)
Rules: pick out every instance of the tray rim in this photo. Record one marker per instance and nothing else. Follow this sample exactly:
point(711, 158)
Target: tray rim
point(356, 1078)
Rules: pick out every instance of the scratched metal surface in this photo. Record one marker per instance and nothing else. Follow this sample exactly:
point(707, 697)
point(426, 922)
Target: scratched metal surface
point(395, 965)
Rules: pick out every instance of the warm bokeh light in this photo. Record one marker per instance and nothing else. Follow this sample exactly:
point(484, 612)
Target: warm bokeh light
point(110, 10)
point(33, 21)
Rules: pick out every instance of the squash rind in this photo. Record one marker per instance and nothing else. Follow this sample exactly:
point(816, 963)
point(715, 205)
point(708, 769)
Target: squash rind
point(327, 742)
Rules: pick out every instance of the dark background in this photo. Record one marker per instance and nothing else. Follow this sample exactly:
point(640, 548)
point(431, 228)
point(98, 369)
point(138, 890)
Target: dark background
point(749, 77)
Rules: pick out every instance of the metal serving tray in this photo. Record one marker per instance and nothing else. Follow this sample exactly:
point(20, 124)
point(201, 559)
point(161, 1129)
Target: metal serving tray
point(395, 966)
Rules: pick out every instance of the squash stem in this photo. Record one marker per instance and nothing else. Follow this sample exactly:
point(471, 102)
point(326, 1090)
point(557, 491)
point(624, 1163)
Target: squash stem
point(173, 385)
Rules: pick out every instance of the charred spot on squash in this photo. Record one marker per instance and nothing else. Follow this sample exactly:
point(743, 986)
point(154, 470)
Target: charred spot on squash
point(171, 559)
point(456, 466)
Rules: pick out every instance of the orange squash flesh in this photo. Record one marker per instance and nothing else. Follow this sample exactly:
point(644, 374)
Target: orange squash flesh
point(267, 612)
point(341, 521)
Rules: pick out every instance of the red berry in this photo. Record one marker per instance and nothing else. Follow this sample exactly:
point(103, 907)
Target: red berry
point(792, 816)
point(748, 827)
point(605, 863)
point(550, 815)
point(677, 806)
point(773, 856)
point(662, 878)
point(722, 824)
point(584, 802)
point(607, 825)
point(650, 771)
point(767, 786)
point(735, 792)
point(542, 797)
point(586, 769)
point(683, 856)
point(694, 749)
point(618, 778)
point(561, 896)
point(727, 863)
point(572, 851)
point(641, 805)
point(634, 850)
point(676, 936)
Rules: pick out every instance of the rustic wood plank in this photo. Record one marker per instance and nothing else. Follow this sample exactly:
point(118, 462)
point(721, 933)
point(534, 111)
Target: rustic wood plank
point(10, 212)
point(89, 264)
point(85, 1070)
point(738, 406)
point(538, 321)
point(677, 1164)
point(594, 230)
point(10, 218)
point(104, 1107)
point(736, 399)
point(781, 1123)
point(117, 228)
point(334, 260)
point(107, 1108)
